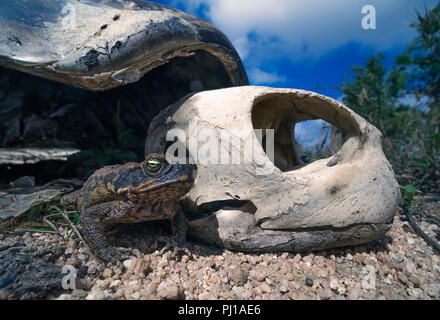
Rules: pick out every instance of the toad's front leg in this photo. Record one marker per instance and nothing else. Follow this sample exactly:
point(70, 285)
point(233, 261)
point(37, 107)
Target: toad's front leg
point(179, 226)
point(93, 227)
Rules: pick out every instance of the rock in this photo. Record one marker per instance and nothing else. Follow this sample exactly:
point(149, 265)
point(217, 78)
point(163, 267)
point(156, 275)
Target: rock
point(82, 257)
point(107, 273)
point(358, 258)
point(341, 289)
point(95, 295)
point(319, 261)
point(135, 286)
point(103, 284)
point(409, 268)
point(115, 284)
point(309, 282)
point(289, 276)
point(128, 263)
point(326, 294)
point(23, 182)
point(65, 296)
point(15, 248)
point(258, 275)
point(127, 293)
point(238, 276)
point(354, 293)
point(265, 288)
point(323, 273)
point(19, 156)
point(17, 203)
point(415, 292)
point(168, 290)
point(382, 257)
point(92, 267)
point(136, 295)
point(77, 293)
point(433, 291)
point(334, 283)
point(150, 289)
point(308, 259)
point(297, 258)
point(23, 276)
point(43, 251)
point(84, 284)
point(417, 280)
point(369, 282)
point(389, 279)
point(366, 261)
point(388, 247)
point(296, 285)
point(284, 289)
point(403, 278)
point(211, 276)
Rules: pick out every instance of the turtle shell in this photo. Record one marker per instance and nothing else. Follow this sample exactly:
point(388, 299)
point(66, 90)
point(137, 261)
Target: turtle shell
point(109, 67)
point(102, 44)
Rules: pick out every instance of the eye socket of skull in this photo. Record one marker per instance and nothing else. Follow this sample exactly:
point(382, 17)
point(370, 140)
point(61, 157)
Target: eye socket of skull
point(284, 112)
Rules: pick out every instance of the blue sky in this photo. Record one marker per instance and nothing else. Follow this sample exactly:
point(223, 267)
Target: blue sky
point(307, 44)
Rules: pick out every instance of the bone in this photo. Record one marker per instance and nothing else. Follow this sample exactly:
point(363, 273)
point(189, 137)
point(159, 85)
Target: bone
point(346, 199)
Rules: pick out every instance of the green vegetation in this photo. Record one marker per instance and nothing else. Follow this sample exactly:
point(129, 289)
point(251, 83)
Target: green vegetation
point(409, 192)
point(37, 212)
point(404, 103)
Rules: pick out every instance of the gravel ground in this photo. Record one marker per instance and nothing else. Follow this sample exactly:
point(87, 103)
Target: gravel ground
point(399, 266)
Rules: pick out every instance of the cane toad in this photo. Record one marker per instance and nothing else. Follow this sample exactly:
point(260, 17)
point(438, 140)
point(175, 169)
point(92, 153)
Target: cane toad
point(131, 193)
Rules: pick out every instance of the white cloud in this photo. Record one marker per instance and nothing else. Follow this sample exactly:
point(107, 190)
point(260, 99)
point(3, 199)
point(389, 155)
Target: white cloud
point(310, 133)
point(242, 46)
point(258, 76)
point(308, 29)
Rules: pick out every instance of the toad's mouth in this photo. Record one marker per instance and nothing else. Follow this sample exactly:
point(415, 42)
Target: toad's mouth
point(185, 181)
point(169, 190)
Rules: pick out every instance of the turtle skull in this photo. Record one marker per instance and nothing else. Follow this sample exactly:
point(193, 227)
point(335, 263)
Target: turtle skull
point(272, 202)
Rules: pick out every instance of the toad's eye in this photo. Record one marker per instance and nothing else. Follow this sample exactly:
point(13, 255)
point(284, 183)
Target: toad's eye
point(153, 165)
